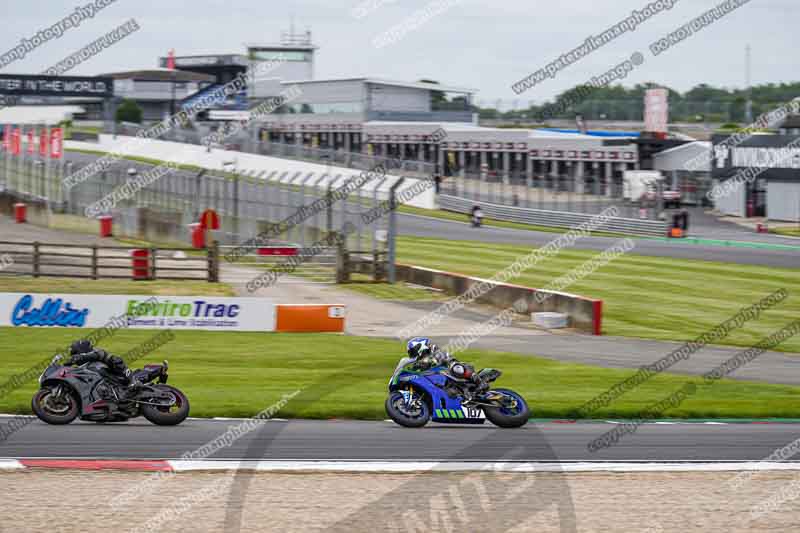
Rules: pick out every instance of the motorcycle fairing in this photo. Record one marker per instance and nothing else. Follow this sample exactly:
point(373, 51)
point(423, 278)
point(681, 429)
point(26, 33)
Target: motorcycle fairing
point(444, 408)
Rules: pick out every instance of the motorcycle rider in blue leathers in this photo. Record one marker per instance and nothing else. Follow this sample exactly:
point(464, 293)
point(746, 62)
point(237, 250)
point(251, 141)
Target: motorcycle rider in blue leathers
point(427, 355)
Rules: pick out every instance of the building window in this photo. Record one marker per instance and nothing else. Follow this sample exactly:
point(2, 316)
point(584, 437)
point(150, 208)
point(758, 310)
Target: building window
point(335, 107)
point(279, 55)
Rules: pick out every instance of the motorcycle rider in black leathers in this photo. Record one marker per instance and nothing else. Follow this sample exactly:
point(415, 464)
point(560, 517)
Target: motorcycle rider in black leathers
point(427, 355)
point(82, 352)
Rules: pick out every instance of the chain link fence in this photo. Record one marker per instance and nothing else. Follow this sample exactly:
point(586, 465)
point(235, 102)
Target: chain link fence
point(587, 195)
point(249, 205)
point(245, 141)
point(591, 194)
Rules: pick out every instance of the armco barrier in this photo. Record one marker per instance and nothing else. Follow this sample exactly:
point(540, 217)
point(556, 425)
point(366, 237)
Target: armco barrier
point(585, 314)
point(555, 219)
point(309, 318)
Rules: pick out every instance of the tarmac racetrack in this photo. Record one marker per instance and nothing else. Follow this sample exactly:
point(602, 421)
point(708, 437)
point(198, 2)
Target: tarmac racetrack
point(341, 440)
point(422, 226)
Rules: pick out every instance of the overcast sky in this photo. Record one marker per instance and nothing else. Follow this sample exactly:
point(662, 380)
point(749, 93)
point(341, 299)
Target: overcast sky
point(485, 45)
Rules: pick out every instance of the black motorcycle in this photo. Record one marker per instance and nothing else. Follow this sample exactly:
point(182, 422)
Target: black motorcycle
point(91, 392)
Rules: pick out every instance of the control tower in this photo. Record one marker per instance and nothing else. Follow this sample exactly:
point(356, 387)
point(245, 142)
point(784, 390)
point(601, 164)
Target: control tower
point(292, 59)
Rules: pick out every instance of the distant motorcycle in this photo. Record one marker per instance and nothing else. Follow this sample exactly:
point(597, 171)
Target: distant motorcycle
point(418, 396)
point(94, 394)
point(477, 218)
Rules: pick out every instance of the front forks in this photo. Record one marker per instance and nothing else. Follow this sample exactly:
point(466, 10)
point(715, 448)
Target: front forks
point(58, 393)
point(408, 395)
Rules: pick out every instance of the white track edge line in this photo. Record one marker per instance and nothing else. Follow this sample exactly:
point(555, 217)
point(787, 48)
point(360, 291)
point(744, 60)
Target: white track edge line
point(10, 464)
point(431, 466)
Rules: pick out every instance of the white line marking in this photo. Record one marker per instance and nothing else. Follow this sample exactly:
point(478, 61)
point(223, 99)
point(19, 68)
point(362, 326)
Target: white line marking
point(10, 464)
point(226, 419)
point(433, 466)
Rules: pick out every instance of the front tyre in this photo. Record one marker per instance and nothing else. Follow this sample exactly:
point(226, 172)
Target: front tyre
point(168, 415)
point(413, 416)
point(513, 414)
point(55, 409)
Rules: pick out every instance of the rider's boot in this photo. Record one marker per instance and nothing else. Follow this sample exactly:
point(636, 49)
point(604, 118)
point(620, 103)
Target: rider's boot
point(132, 388)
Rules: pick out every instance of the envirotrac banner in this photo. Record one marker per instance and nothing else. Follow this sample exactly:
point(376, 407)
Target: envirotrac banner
point(136, 311)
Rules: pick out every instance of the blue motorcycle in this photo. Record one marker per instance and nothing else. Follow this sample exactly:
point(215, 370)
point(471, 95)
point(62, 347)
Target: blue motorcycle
point(418, 396)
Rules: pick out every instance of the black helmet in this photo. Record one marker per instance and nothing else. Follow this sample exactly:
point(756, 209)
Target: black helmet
point(81, 346)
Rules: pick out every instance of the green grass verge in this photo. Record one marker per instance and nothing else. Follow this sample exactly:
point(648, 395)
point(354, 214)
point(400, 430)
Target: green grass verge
point(139, 159)
point(397, 292)
point(158, 162)
point(81, 129)
point(791, 232)
point(105, 286)
point(648, 297)
point(240, 374)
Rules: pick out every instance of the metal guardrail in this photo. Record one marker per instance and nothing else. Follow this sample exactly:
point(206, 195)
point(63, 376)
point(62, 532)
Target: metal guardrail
point(555, 219)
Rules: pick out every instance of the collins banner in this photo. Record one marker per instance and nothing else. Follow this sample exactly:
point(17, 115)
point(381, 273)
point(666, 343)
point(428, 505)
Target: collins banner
point(136, 312)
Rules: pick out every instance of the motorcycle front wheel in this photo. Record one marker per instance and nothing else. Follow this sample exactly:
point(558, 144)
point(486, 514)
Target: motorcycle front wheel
point(410, 417)
point(55, 409)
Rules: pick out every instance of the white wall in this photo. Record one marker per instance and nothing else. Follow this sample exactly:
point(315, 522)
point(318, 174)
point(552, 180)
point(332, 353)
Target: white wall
point(325, 92)
point(391, 98)
point(695, 156)
point(783, 201)
point(734, 203)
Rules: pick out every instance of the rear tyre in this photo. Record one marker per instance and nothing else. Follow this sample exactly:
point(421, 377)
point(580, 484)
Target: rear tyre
point(55, 410)
point(415, 417)
point(168, 415)
point(509, 417)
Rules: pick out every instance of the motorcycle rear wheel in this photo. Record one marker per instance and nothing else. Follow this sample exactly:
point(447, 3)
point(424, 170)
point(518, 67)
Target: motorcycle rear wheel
point(63, 411)
point(403, 419)
point(506, 418)
point(168, 415)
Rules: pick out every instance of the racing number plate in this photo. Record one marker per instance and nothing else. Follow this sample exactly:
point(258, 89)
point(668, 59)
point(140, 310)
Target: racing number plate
point(473, 412)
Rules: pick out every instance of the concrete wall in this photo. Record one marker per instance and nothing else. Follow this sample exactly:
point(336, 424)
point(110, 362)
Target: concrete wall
point(324, 92)
point(585, 314)
point(682, 157)
point(285, 71)
point(734, 203)
point(264, 87)
point(390, 98)
point(783, 201)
